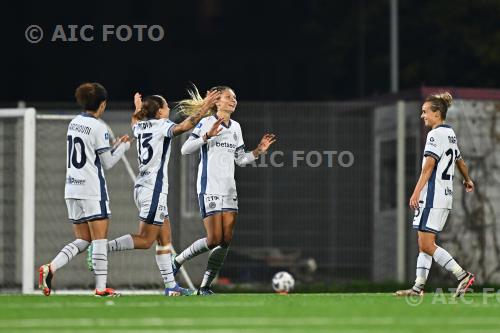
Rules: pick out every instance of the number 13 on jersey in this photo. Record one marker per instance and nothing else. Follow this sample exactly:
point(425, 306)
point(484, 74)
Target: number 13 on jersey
point(144, 145)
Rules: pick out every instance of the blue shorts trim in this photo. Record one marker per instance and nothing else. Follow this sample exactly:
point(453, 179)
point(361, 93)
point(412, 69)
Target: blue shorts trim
point(203, 215)
point(91, 218)
point(145, 220)
point(229, 210)
point(432, 231)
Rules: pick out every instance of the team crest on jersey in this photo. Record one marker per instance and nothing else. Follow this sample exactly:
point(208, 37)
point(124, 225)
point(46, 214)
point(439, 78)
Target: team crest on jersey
point(431, 139)
point(211, 205)
point(235, 136)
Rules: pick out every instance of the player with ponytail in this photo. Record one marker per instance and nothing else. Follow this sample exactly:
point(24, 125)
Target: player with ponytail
point(433, 195)
point(154, 132)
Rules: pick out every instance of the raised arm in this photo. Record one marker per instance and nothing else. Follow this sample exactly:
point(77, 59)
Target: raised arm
point(138, 106)
point(425, 175)
point(462, 167)
point(194, 142)
point(191, 121)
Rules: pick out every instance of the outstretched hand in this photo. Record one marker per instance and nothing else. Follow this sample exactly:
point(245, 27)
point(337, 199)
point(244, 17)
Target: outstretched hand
point(266, 141)
point(215, 129)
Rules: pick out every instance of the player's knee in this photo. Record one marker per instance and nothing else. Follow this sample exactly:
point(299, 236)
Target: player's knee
point(144, 244)
point(427, 248)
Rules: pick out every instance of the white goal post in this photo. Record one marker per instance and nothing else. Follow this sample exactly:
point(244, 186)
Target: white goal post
point(28, 221)
point(28, 118)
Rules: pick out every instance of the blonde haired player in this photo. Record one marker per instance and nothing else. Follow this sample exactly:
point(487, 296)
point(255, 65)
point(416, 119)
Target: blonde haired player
point(86, 192)
point(433, 195)
point(220, 142)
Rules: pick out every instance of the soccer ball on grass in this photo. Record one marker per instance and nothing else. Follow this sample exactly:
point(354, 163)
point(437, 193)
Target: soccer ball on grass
point(283, 282)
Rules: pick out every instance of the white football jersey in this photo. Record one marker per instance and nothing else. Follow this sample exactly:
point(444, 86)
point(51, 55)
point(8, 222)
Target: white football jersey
point(217, 157)
point(153, 152)
point(87, 138)
point(442, 145)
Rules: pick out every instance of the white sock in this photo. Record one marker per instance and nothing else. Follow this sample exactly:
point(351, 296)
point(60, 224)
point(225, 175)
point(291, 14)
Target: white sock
point(424, 263)
point(215, 261)
point(164, 262)
point(67, 253)
point(198, 247)
point(442, 257)
point(100, 262)
point(125, 242)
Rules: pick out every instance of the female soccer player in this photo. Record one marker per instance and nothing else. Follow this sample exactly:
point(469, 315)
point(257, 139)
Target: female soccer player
point(154, 131)
point(86, 192)
point(220, 148)
point(433, 194)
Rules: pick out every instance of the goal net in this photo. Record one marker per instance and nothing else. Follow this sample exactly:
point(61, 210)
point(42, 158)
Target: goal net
point(33, 212)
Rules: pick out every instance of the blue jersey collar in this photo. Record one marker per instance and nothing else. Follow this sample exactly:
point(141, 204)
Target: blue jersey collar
point(88, 115)
point(223, 124)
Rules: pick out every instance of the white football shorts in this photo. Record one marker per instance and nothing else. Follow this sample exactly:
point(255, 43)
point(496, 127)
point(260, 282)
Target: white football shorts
point(211, 204)
point(430, 219)
point(152, 205)
point(85, 210)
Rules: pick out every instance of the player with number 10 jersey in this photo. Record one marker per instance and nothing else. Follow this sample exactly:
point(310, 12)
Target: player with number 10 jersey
point(86, 193)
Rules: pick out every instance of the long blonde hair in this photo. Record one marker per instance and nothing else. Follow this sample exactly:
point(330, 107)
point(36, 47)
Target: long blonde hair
point(189, 107)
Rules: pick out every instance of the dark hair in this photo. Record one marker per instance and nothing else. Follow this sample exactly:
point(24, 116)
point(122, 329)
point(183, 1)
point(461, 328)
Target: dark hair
point(91, 95)
point(220, 88)
point(150, 106)
point(440, 102)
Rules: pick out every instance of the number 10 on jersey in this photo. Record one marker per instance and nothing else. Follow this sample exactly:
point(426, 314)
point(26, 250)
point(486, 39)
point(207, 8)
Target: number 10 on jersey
point(73, 158)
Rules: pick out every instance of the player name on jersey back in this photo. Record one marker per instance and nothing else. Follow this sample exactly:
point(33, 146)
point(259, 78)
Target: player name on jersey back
point(441, 144)
point(87, 137)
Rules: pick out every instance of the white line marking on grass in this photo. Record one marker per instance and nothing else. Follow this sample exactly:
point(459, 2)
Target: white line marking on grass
point(243, 322)
point(211, 330)
point(252, 330)
point(94, 303)
point(186, 322)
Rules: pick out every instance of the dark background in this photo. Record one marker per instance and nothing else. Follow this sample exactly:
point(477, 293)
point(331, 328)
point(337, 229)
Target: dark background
point(266, 50)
